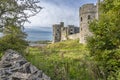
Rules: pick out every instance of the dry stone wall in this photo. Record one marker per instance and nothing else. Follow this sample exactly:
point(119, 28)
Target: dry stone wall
point(15, 67)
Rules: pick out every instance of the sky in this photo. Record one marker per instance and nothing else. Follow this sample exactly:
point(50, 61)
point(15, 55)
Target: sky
point(56, 11)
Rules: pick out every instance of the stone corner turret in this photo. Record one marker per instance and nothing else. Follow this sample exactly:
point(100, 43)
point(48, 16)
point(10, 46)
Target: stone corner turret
point(87, 13)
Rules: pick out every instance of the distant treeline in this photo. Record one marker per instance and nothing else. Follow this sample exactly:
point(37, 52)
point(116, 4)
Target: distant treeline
point(41, 42)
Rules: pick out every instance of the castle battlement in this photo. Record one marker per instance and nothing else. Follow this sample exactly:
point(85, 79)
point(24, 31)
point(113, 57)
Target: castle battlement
point(86, 8)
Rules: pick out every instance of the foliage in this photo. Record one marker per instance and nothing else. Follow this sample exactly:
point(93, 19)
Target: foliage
point(17, 12)
point(41, 42)
point(13, 15)
point(69, 63)
point(13, 39)
point(104, 45)
point(66, 45)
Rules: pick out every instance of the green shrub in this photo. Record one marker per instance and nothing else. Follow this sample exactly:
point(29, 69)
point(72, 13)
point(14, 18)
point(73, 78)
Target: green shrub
point(14, 38)
point(9, 42)
point(104, 45)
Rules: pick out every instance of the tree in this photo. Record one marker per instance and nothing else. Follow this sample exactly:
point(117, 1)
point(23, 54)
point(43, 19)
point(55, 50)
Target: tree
point(13, 15)
point(17, 11)
point(104, 45)
point(14, 39)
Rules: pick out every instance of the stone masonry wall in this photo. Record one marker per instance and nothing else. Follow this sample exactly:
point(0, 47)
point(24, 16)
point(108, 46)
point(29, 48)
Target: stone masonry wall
point(61, 33)
point(74, 36)
point(15, 67)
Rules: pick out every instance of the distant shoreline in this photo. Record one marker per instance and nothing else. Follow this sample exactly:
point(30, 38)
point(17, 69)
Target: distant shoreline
point(39, 43)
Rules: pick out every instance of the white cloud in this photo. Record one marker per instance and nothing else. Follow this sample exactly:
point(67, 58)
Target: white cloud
point(52, 14)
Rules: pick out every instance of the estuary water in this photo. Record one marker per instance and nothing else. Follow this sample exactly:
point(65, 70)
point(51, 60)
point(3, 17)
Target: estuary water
point(39, 34)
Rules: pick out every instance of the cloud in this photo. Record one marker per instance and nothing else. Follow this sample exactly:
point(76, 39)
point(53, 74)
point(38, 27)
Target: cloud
point(55, 11)
point(52, 14)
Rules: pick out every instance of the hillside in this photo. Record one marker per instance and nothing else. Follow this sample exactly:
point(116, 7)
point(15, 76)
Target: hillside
point(66, 60)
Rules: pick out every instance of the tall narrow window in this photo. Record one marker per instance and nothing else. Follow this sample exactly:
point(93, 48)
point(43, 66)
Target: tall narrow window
point(81, 19)
point(89, 17)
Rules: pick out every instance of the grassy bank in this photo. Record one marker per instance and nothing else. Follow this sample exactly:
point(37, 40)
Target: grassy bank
point(66, 60)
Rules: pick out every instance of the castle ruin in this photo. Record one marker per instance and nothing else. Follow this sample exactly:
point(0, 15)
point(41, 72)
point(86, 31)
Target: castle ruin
point(87, 13)
point(61, 33)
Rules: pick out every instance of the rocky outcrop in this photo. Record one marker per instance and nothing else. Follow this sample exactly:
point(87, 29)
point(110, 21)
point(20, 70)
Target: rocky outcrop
point(15, 67)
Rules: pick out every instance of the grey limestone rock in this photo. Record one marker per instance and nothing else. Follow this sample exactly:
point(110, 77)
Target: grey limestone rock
point(15, 67)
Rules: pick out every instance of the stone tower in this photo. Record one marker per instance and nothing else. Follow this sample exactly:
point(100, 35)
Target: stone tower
point(57, 32)
point(87, 13)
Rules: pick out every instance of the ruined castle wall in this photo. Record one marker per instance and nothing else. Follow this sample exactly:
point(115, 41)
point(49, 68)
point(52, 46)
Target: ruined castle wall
point(74, 36)
point(63, 33)
point(69, 32)
point(87, 14)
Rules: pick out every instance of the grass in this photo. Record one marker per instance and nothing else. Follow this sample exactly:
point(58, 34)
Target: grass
point(62, 61)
